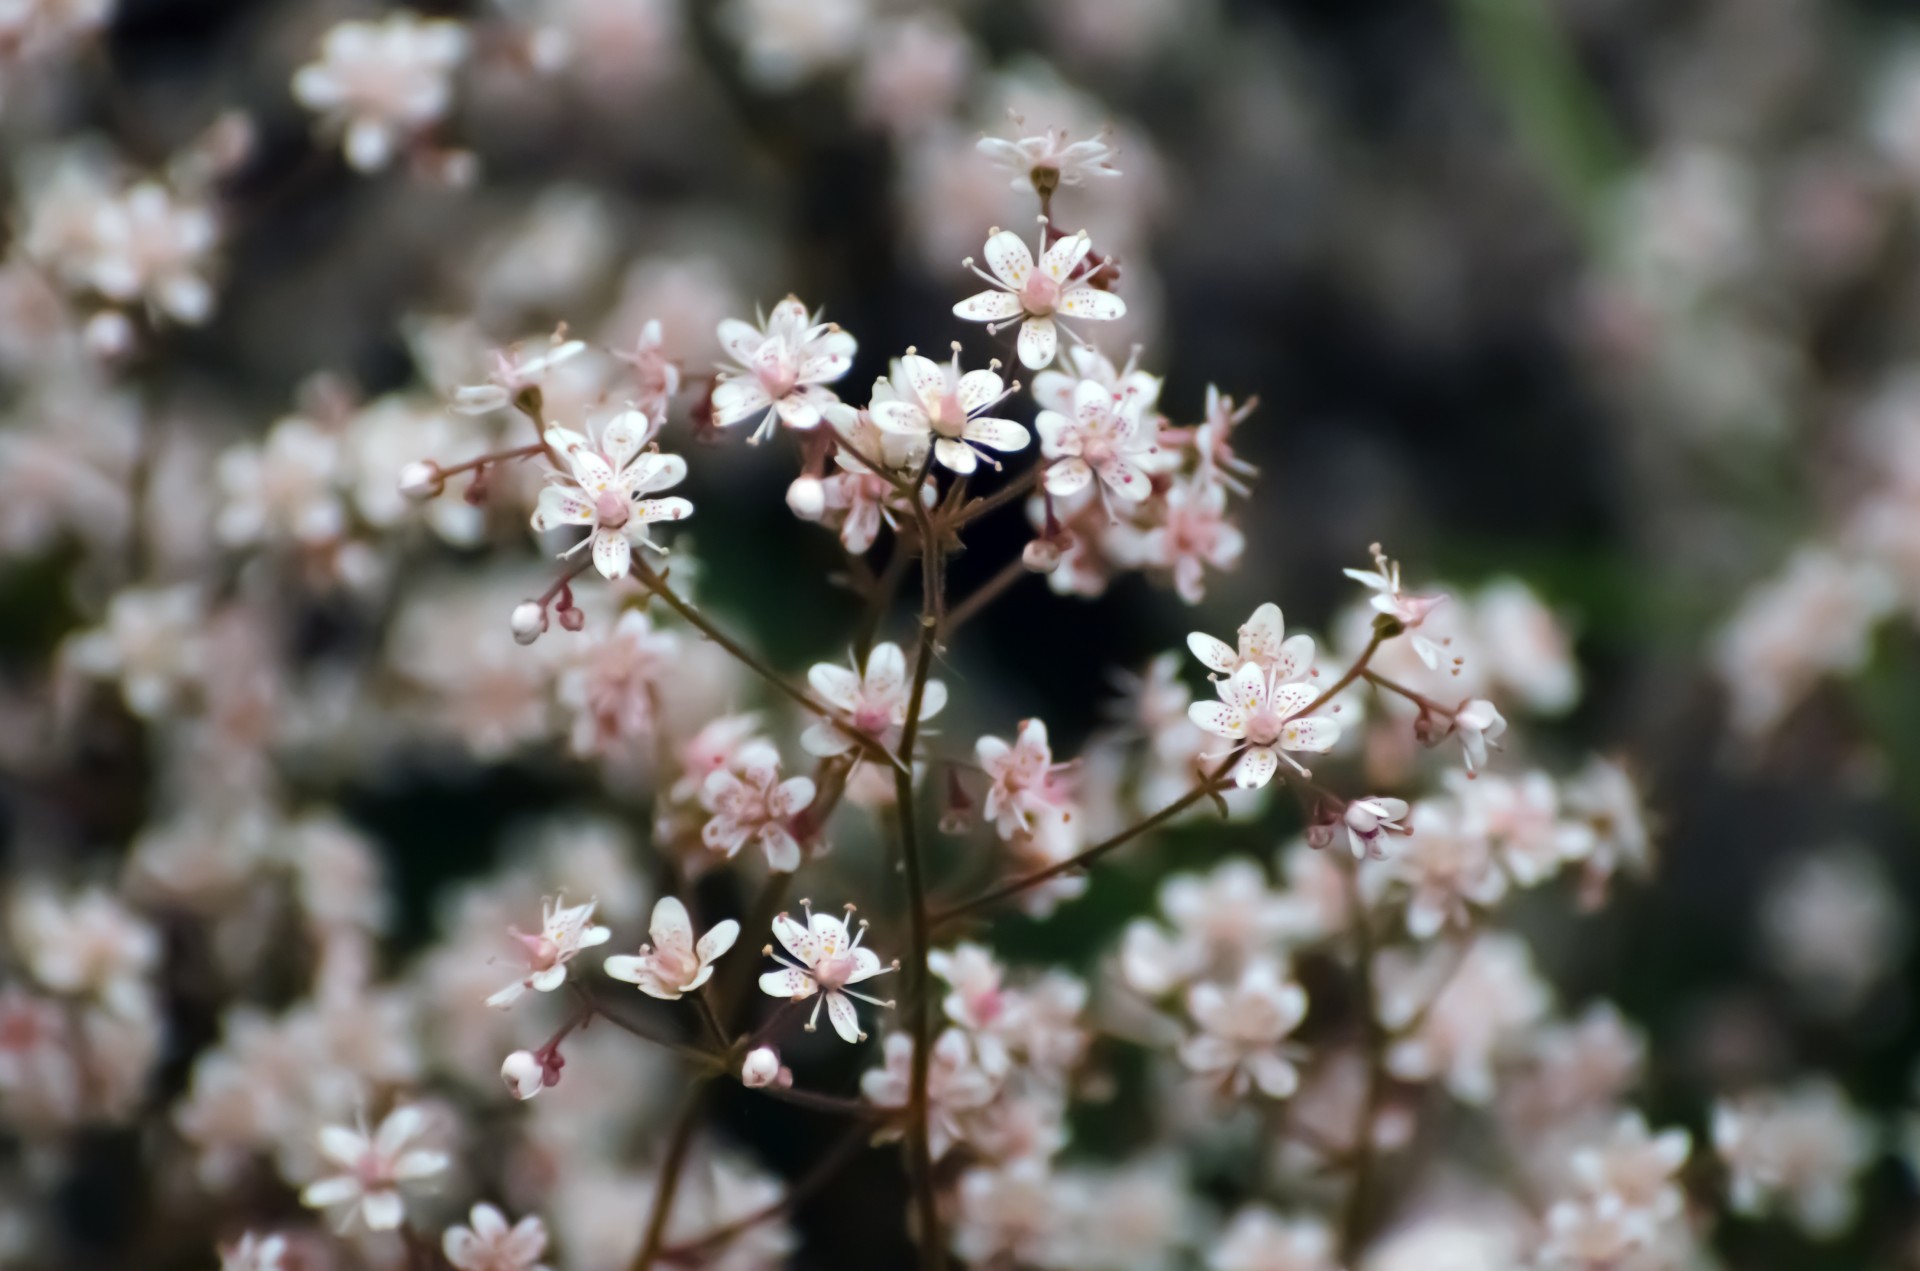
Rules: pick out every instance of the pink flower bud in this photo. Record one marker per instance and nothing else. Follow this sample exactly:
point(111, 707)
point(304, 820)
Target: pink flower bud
point(1042, 556)
point(528, 621)
point(762, 1068)
point(421, 481)
point(574, 618)
point(807, 496)
point(524, 1074)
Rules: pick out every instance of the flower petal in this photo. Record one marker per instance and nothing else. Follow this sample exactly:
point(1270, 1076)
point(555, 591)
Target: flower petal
point(740, 339)
point(989, 306)
point(1214, 654)
point(997, 434)
point(799, 941)
point(670, 927)
point(1069, 476)
point(924, 378)
point(1007, 256)
point(611, 554)
point(400, 1128)
point(837, 686)
point(1255, 768)
point(955, 456)
point(1218, 718)
point(737, 400)
point(1295, 657)
point(591, 472)
point(790, 984)
point(901, 417)
point(653, 472)
point(1317, 734)
point(561, 505)
point(829, 935)
point(886, 677)
point(717, 941)
point(622, 438)
point(1247, 690)
point(978, 389)
point(1038, 342)
point(382, 1210)
point(846, 1020)
point(1091, 302)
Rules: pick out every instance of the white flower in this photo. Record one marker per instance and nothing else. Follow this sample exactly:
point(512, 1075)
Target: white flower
point(1479, 724)
point(1796, 1150)
point(1242, 1029)
point(149, 244)
point(91, 945)
point(875, 702)
point(1035, 295)
point(1019, 774)
point(1260, 1240)
point(1048, 160)
point(512, 373)
point(755, 805)
point(1592, 1235)
point(564, 931)
point(1264, 643)
point(956, 1085)
point(255, 1253)
point(862, 497)
point(784, 366)
point(606, 488)
point(382, 82)
point(1054, 389)
point(929, 399)
point(827, 962)
point(1367, 819)
point(1106, 436)
point(1388, 598)
point(673, 964)
point(1468, 1011)
point(152, 641)
point(1447, 862)
point(374, 1168)
point(491, 1245)
point(1639, 1167)
point(1264, 716)
point(286, 488)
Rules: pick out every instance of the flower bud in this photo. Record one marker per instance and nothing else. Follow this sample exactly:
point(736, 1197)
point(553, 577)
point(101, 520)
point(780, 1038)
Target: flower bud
point(421, 481)
point(524, 1074)
point(761, 1068)
point(573, 618)
point(528, 621)
point(807, 496)
point(1042, 556)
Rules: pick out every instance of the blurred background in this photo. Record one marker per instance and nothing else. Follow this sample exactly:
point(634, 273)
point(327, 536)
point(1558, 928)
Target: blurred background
point(1615, 299)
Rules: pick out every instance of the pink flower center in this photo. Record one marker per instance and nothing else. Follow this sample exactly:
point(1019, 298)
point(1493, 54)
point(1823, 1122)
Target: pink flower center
point(1039, 295)
point(872, 718)
point(778, 376)
point(611, 508)
point(372, 1171)
point(833, 973)
point(1263, 726)
point(675, 966)
point(948, 416)
point(542, 953)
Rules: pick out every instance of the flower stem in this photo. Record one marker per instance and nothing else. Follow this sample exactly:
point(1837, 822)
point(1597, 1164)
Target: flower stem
point(1359, 1202)
point(920, 1001)
point(1007, 493)
point(843, 1153)
point(671, 1168)
point(1010, 573)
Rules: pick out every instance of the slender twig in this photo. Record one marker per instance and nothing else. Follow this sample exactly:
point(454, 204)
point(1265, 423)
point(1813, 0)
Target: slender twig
point(1359, 668)
point(706, 626)
point(1419, 699)
point(498, 456)
point(1359, 1202)
point(705, 1059)
point(817, 1102)
point(671, 1167)
point(919, 1005)
point(1010, 573)
point(1007, 493)
point(712, 1021)
point(843, 1154)
point(1206, 786)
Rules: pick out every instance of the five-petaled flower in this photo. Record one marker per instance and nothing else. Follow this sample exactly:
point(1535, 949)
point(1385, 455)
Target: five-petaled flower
point(928, 399)
point(511, 372)
point(1034, 294)
point(673, 964)
point(755, 805)
point(1265, 716)
point(606, 490)
point(1264, 643)
point(1388, 599)
point(564, 931)
point(874, 703)
point(373, 1168)
point(1106, 436)
point(826, 961)
point(1242, 1029)
point(491, 1245)
point(785, 364)
point(1367, 819)
point(1020, 774)
point(1047, 160)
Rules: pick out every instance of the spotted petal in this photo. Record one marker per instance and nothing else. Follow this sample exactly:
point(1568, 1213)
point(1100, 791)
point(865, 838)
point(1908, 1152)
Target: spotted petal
point(977, 390)
point(717, 941)
point(1064, 255)
point(1009, 259)
point(1247, 690)
point(741, 340)
point(611, 554)
point(559, 505)
point(1291, 699)
point(622, 438)
point(671, 928)
point(1069, 476)
point(591, 471)
point(1218, 718)
point(789, 984)
point(989, 306)
point(1039, 341)
point(955, 456)
point(1255, 768)
point(886, 677)
point(651, 472)
point(846, 1021)
point(1261, 634)
point(924, 378)
point(1091, 302)
point(1317, 734)
point(739, 399)
point(997, 434)
point(829, 935)
point(1214, 654)
point(866, 965)
point(1296, 656)
point(647, 511)
point(799, 941)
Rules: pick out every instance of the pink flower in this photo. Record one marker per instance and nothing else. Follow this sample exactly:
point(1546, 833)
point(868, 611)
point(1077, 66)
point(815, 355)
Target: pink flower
point(1263, 715)
point(1034, 296)
point(755, 805)
point(827, 962)
point(1367, 819)
point(874, 702)
point(784, 365)
point(862, 497)
point(1478, 724)
point(956, 1085)
point(673, 965)
point(255, 1253)
point(564, 931)
point(512, 373)
point(382, 82)
point(606, 488)
point(1048, 160)
point(925, 399)
point(1242, 1031)
point(374, 1168)
point(491, 1245)
point(1020, 774)
point(1105, 436)
point(1194, 536)
point(1388, 598)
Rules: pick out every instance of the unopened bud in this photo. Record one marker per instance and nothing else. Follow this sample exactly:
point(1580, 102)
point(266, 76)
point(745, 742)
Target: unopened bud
point(1042, 556)
point(421, 481)
point(528, 621)
point(761, 1068)
point(807, 496)
point(524, 1074)
point(573, 618)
